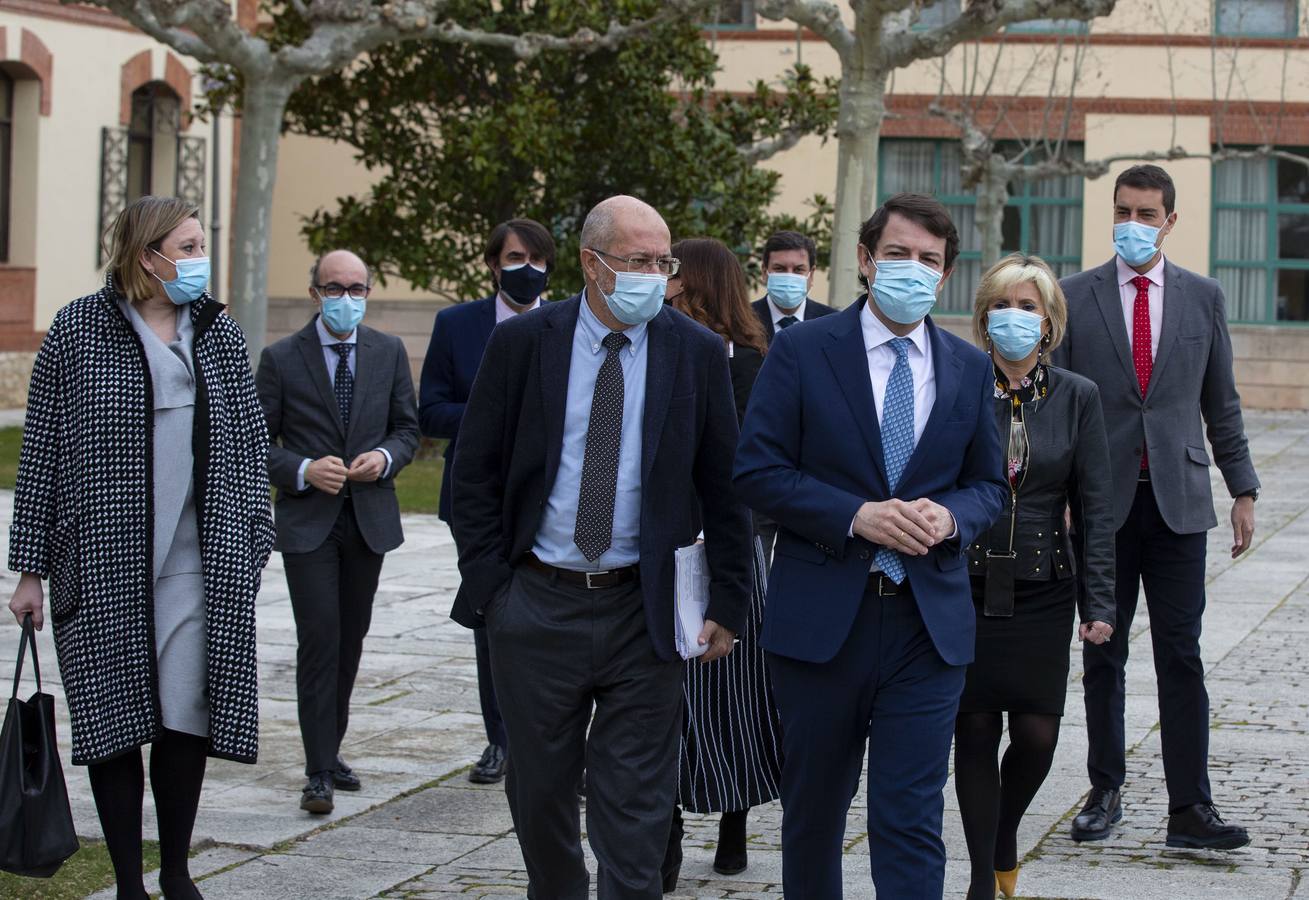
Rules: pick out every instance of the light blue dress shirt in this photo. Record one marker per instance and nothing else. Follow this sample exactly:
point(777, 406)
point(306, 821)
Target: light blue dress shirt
point(554, 541)
point(332, 359)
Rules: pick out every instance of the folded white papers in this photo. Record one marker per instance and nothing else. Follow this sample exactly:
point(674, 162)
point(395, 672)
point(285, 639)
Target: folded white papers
point(690, 599)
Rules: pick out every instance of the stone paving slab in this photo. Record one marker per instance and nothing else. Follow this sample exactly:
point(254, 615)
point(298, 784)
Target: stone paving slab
point(419, 829)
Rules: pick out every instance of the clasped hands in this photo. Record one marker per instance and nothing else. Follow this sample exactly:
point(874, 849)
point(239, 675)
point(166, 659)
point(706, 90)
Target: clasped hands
point(329, 473)
point(911, 527)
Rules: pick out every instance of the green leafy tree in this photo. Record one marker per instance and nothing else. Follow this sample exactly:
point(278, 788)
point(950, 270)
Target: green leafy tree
point(466, 136)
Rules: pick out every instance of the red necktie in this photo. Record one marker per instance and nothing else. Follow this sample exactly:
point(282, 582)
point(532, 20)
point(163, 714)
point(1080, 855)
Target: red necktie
point(1141, 340)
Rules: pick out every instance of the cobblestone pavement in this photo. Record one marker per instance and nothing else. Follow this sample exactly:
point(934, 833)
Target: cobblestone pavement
point(419, 829)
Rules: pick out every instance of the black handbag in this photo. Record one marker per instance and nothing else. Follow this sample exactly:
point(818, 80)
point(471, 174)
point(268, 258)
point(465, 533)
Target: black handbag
point(36, 823)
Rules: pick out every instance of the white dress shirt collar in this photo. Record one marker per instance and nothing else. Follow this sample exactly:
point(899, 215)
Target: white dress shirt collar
point(876, 333)
point(1126, 273)
point(504, 311)
point(326, 338)
point(779, 314)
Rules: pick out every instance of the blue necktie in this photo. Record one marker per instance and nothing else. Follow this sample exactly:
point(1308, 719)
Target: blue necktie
point(897, 439)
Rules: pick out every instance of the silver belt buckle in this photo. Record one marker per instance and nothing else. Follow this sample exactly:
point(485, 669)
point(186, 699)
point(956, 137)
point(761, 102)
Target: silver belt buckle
point(883, 578)
point(594, 587)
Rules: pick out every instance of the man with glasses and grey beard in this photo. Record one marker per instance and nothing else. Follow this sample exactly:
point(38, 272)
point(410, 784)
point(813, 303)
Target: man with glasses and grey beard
point(598, 438)
point(342, 423)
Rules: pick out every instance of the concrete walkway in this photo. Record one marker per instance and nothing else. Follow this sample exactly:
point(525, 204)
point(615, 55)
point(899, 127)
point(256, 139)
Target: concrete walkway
point(419, 829)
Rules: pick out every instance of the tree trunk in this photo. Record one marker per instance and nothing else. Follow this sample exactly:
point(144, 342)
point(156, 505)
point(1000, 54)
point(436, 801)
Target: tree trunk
point(263, 104)
point(992, 195)
point(859, 129)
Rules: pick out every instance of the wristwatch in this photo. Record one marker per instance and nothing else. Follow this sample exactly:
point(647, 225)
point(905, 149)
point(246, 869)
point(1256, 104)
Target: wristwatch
point(1253, 494)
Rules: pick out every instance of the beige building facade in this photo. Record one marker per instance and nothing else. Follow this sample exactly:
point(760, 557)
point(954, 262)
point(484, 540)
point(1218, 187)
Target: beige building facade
point(1200, 75)
point(92, 115)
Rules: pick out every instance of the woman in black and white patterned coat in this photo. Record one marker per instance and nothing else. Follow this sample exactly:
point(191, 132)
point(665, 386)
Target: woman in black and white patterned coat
point(142, 495)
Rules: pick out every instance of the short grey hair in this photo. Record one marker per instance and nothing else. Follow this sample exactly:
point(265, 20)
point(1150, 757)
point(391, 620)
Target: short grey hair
point(598, 229)
point(313, 269)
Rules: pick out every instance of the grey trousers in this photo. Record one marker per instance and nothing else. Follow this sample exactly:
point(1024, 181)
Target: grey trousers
point(555, 650)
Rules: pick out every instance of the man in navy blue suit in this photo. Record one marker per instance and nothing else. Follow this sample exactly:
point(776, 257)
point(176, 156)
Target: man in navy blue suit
point(870, 438)
point(570, 504)
point(520, 255)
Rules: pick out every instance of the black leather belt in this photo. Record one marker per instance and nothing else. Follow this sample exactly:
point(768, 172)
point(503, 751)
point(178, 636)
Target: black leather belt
point(1144, 476)
point(882, 585)
point(589, 580)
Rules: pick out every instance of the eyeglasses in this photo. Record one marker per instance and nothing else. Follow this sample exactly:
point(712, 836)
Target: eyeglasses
point(664, 265)
point(334, 291)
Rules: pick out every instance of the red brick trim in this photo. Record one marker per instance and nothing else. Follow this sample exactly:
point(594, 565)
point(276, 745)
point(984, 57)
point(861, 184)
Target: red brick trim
point(787, 35)
point(82, 15)
point(18, 309)
point(178, 77)
point(37, 57)
point(1286, 124)
point(136, 72)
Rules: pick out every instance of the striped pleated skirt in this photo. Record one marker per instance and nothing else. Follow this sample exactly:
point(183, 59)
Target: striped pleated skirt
point(731, 735)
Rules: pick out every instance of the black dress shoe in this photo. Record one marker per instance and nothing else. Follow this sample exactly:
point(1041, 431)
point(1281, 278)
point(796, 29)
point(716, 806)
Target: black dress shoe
point(1103, 810)
point(317, 794)
point(1199, 826)
point(671, 869)
point(730, 858)
point(491, 767)
point(344, 777)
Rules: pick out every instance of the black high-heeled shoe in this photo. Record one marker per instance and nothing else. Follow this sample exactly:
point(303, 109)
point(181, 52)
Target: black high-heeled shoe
point(672, 866)
point(178, 886)
point(731, 858)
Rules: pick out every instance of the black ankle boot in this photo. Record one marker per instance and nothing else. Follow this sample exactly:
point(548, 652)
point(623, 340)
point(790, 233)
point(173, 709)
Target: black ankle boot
point(178, 886)
point(672, 866)
point(731, 857)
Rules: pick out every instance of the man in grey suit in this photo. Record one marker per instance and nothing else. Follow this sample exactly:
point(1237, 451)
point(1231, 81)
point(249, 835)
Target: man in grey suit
point(343, 422)
point(1154, 337)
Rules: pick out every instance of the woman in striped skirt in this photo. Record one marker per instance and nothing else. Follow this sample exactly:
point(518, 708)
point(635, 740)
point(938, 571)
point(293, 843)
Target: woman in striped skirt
point(731, 737)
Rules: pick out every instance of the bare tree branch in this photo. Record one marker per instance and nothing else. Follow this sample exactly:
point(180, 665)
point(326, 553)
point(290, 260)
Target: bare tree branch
point(763, 149)
point(822, 17)
point(982, 18)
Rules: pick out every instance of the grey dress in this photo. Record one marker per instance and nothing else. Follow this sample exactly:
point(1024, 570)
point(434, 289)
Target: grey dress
point(179, 595)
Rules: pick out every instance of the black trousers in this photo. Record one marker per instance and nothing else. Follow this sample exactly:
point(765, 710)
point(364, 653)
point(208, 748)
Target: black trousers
point(492, 720)
point(1171, 566)
point(556, 649)
point(332, 592)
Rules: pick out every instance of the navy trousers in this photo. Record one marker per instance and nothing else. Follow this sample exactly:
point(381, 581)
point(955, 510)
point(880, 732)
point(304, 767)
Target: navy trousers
point(887, 688)
point(1171, 566)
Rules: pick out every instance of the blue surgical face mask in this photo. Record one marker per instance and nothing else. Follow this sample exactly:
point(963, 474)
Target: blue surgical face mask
point(191, 281)
point(637, 296)
point(787, 290)
point(343, 315)
point(1014, 332)
point(1135, 242)
point(905, 289)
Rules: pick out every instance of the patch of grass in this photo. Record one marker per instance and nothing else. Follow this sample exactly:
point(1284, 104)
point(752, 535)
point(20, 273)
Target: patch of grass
point(417, 487)
point(10, 440)
point(87, 871)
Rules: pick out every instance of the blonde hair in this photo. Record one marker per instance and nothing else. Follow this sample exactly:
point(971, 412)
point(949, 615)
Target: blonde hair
point(142, 225)
point(1009, 273)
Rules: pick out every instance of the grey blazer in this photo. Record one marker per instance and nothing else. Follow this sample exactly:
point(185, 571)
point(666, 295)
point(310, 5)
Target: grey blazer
point(303, 421)
point(1191, 379)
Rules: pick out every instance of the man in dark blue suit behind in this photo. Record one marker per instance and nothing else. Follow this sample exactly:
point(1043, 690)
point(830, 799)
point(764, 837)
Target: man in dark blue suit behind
point(870, 439)
point(520, 255)
point(598, 436)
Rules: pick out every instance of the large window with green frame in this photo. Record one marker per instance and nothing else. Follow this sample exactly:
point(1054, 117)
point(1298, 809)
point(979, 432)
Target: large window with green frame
point(1042, 217)
point(1260, 238)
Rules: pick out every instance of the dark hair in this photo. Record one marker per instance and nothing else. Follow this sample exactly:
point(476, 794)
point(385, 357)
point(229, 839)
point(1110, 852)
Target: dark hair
point(790, 240)
point(1148, 178)
point(920, 209)
point(533, 235)
point(715, 294)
